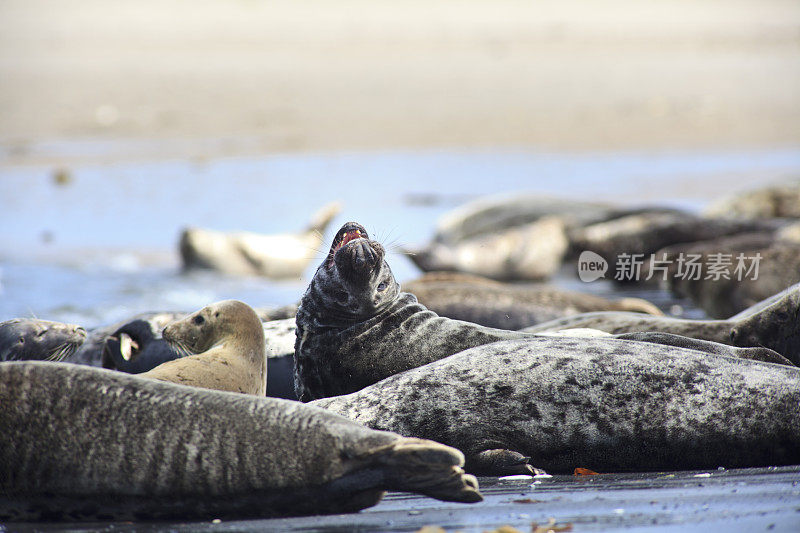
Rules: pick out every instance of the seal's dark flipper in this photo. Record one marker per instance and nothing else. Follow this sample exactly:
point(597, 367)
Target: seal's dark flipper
point(670, 339)
point(500, 462)
point(426, 467)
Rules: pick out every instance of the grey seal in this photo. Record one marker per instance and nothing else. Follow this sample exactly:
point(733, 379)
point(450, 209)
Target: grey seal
point(529, 252)
point(229, 351)
point(137, 345)
point(778, 267)
point(32, 339)
point(509, 306)
point(355, 327)
point(610, 405)
point(247, 253)
point(83, 443)
point(772, 323)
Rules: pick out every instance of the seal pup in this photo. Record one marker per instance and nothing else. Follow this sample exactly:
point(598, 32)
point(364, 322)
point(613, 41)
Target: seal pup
point(227, 339)
point(611, 405)
point(246, 253)
point(32, 338)
point(772, 323)
point(509, 306)
point(84, 443)
point(355, 327)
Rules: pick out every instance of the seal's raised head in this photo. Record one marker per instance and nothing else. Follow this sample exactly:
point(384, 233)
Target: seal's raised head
point(776, 326)
point(31, 338)
point(354, 282)
point(203, 329)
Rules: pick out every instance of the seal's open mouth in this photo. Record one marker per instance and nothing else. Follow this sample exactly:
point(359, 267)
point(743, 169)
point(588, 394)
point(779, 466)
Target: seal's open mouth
point(349, 232)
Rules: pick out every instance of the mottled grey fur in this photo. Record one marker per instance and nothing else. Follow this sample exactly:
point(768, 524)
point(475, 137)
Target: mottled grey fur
point(24, 339)
point(605, 404)
point(80, 443)
point(355, 327)
point(773, 323)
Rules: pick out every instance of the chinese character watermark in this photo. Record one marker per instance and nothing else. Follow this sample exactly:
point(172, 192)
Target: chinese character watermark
point(684, 266)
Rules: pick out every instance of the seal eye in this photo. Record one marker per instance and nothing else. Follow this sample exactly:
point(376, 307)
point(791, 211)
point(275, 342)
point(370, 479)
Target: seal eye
point(198, 320)
point(22, 340)
point(382, 286)
point(781, 316)
point(341, 296)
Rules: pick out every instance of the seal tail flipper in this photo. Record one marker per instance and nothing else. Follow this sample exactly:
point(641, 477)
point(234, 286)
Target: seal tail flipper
point(323, 217)
point(427, 467)
point(637, 305)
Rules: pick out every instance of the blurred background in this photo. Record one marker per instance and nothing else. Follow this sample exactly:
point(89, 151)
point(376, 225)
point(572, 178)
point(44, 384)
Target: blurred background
point(123, 122)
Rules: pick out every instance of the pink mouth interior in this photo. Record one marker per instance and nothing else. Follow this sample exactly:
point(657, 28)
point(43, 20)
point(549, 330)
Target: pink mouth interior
point(348, 236)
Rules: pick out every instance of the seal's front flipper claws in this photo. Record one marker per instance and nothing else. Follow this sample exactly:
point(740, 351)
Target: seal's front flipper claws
point(500, 462)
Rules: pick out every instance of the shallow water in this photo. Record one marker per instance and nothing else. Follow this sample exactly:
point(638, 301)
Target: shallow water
point(103, 246)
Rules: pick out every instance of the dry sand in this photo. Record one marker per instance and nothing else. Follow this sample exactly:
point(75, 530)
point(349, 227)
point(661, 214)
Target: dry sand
point(352, 75)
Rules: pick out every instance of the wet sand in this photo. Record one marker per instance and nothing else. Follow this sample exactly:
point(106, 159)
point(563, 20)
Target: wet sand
point(269, 77)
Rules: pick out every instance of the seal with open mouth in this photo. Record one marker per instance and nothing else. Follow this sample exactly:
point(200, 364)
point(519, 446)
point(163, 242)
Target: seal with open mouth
point(33, 339)
point(355, 327)
point(82, 443)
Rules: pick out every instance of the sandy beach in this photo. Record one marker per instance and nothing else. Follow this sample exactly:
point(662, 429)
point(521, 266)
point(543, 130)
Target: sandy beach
point(272, 77)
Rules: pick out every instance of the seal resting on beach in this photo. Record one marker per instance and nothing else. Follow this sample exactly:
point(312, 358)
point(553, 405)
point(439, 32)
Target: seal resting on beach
point(355, 327)
point(33, 339)
point(255, 254)
point(509, 306)
point(773, 323)
point(83, 443)
point(227, 339)
point(607, 404)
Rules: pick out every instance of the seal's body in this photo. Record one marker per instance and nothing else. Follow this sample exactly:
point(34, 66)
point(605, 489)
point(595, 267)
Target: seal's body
point(773, 323)
point(607, 404)
point(83, 443)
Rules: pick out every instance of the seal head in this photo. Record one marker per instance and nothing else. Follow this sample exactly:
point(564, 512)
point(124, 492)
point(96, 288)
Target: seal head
point(34, 339)
point(355, 281)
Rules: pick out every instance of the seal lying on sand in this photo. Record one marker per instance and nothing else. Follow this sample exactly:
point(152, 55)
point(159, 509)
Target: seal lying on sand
point(529, 252)
point(82, 443)
point(273, 256)
point(773, 323)
point(227, 339)
point(509, 306)
point(607, 404)
point(31, 338)
point(355, 327)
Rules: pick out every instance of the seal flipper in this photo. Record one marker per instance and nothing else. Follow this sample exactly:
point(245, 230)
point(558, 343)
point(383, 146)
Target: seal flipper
point(426, 467)
point(500, 462)
point(670, 339)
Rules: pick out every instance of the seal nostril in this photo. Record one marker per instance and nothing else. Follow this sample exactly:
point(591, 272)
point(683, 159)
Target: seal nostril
point(734, 335)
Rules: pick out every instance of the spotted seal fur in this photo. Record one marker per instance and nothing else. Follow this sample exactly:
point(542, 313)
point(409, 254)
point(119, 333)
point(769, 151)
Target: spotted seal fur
point(611, 405)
